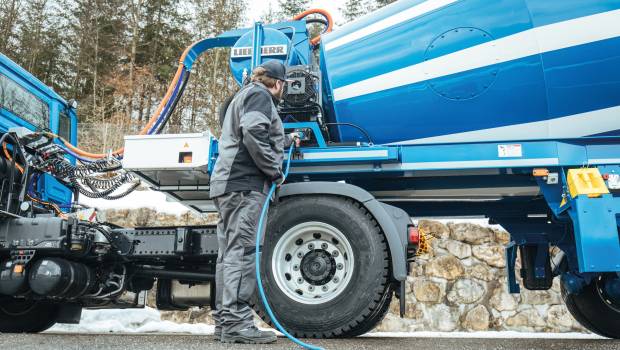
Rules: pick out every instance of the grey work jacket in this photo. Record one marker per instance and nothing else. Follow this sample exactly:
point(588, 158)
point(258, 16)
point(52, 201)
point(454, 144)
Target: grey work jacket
point(251, 147)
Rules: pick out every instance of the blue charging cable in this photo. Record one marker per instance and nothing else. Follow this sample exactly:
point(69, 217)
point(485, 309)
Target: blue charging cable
point(261, 291)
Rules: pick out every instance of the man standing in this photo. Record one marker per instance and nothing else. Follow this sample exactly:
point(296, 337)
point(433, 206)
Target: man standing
point(251, 151)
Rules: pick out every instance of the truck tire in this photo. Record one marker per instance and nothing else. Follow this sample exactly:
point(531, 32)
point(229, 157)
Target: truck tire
point(26, 316)
point(325, 267)
point(372, 320)
point(593, 310)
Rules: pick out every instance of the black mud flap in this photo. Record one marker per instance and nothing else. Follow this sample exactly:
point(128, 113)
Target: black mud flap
point(69, 313)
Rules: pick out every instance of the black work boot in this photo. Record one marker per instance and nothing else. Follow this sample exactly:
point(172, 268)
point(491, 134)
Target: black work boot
point(250, 335)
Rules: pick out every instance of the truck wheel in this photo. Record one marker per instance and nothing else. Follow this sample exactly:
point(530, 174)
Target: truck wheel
point(26, 316)
point(326, 266)
point(597, 306)
point(372, 320)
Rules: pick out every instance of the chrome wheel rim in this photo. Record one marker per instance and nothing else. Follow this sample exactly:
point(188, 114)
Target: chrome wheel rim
point(312, 262)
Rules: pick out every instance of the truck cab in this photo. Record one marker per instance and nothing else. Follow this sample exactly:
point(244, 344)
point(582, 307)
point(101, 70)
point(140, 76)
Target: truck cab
point(27, 102)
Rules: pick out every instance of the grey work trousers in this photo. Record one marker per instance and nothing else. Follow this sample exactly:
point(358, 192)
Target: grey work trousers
point(235, 278)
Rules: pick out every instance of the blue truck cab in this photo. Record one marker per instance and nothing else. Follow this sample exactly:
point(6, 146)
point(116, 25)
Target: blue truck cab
point(27, 102)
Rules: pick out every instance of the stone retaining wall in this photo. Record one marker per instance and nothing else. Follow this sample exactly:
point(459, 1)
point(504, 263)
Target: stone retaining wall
point(459, 286)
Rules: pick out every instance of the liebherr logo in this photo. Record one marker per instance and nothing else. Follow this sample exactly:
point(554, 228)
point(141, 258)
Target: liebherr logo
point(267, 50)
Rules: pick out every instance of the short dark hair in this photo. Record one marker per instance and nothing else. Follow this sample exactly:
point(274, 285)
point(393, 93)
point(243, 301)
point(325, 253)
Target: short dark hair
point(260, 74)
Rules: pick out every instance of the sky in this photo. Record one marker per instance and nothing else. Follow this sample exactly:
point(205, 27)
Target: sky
point(258, 7)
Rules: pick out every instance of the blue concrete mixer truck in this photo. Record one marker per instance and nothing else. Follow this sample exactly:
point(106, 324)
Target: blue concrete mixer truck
point(506, 109)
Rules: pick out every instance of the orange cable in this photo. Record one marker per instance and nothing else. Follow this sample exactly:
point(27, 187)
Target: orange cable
point(8, 156)
point(330, 22)
point(54, 206)
point(21, 170)
point(151, 121)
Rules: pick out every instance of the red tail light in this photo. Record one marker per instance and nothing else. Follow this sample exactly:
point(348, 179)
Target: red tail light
point(414, 235)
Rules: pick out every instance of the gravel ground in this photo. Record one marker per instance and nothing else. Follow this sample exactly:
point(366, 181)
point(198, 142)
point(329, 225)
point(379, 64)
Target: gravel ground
point(177, 341)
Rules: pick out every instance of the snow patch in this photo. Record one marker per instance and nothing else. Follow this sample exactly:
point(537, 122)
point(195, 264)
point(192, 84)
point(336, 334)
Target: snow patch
point(138, 199)
point(147, 320)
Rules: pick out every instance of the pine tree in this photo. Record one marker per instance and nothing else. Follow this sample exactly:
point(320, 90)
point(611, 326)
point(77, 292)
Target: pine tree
point(291, 8)
point(9, 20)
point(211, 80)
point(270, 15)
point(117, 57)
point(381, 3)
point(353, 9)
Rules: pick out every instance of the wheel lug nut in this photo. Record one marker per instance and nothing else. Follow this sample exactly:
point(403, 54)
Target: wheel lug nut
point(311, 246)
point(300, 255)
point(324, 288)
point(311, 288)
point(295, 267)
point(336, 279)
point(324, 246)
point(300, 280)
point(335, 253)
point(339, 266)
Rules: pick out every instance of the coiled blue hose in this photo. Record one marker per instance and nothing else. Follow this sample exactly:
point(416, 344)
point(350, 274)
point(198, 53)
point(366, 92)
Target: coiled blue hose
point(259, 230)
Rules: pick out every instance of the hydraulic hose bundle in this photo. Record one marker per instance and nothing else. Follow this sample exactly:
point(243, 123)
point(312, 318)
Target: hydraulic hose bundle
point(98, 179)
point(37, 155)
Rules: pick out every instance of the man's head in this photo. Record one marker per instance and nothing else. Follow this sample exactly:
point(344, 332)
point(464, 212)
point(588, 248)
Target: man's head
point(272, 74)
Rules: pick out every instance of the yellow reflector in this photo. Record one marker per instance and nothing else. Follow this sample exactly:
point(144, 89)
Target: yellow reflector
point(586, 181)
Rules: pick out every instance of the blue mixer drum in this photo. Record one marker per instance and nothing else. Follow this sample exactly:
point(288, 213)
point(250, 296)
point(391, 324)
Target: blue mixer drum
point(444, 71)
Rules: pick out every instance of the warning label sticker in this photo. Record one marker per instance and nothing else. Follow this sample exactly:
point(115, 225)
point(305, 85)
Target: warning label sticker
point(505, 151)
point(613, 182)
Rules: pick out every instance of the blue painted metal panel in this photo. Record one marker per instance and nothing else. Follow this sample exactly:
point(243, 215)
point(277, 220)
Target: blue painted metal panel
point(14, 68)
point(547, 12)
point(596, 232)
point(291, 34)
point(583, 78)
point(257, 43)
point(49, 187)
point(603, 154)
point(418, 111)
point(572, 154)
point(486, 155)
point(537, 87)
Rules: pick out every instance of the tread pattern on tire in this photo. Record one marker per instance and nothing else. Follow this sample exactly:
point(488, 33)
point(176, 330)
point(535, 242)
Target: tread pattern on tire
point(40, 318)
point(375, 312)
point(575, 307)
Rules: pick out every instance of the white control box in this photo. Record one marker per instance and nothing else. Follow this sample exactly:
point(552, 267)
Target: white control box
point(167, 152)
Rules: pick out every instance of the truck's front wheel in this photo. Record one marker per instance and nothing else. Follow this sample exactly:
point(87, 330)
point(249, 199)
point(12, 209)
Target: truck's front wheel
point(26, 316)
point(326, 267)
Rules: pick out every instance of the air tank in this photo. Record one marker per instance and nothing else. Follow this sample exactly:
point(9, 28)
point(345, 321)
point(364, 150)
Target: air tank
point(445, 71)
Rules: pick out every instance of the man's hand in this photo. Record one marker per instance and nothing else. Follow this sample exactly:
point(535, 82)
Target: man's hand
point(279, 180)
point(296, 138)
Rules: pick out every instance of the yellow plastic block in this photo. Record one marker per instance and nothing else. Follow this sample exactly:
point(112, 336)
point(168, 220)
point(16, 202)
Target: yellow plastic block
point(586, 181)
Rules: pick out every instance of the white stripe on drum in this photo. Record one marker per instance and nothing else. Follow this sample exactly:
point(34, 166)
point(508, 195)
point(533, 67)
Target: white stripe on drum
point(572, 126)
point(397, 18)
point(543, 39)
